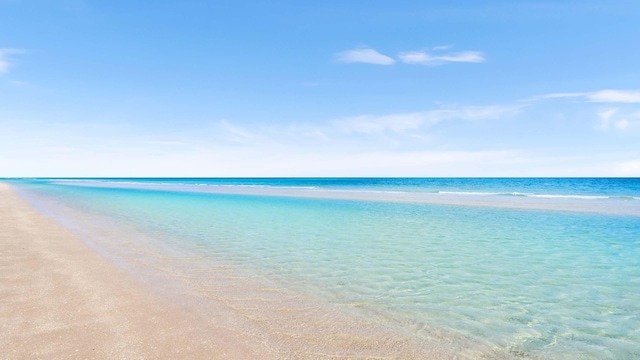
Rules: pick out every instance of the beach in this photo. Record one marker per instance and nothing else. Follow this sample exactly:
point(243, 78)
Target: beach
point(61, 299)
point(320, 180)
point(119, 270)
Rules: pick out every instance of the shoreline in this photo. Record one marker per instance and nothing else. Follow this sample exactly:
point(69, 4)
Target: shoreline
point(59, 298)
point(62, 298)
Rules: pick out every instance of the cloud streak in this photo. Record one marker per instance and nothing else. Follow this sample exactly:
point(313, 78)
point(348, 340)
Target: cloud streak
point(605, 118)
point(425, 58)
point(364, 55)
point(406, 122)
point(236, 133)
point(602, 96)
point(5, 60)
point(433, 57)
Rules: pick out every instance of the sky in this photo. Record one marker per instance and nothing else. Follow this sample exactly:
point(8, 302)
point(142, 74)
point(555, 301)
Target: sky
point(190, 88)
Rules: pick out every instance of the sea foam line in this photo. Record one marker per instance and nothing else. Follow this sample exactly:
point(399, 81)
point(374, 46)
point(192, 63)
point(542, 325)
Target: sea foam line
point(544, 196)
point(194, 186)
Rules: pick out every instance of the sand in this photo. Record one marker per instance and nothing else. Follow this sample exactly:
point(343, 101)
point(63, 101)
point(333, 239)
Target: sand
point(60, 299)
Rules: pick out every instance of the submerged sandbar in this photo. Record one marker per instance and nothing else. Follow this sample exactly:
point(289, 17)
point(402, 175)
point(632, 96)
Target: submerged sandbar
point(584, 204)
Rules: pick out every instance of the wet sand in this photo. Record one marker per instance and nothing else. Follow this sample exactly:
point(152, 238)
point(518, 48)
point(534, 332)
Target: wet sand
point(59, 298)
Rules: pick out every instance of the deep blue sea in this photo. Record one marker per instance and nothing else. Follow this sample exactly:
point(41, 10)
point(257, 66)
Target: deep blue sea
point(532, 267)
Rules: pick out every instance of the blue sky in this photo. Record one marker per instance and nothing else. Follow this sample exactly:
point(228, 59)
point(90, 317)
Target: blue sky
point(330, 88)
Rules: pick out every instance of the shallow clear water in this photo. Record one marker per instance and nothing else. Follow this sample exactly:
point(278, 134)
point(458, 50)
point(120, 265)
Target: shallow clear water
point(547, 284)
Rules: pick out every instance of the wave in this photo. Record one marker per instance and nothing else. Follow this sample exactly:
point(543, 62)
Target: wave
point(472, 193)
point(543, 196)
point(258, 186)
point(155, 183)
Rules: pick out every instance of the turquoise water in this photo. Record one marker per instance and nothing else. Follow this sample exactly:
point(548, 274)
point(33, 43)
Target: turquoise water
point(626, 188)
point(548, 284)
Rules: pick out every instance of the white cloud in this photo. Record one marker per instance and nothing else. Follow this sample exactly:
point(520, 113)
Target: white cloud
point(442, 47)
point(556, 96)
point(602, 96)
point(617, 119)
point(424, 58)
point(34, 149)
point(605, 118)
point(5, 61)
point(364, 55)
point(615, 96)
point(401, 123)
point(622, 124)
point(371, 56)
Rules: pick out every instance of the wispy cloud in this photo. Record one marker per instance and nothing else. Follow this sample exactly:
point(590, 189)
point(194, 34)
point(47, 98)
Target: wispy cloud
point(617, 96)
point(432, 57)
point(442, 47)
point(425, 58)
point(406, 122)
point(605, 118)
point(371, 124)
point(622, 124)
point(364, 55)
point(602, 96)
point(619, 119)
point(236, 133)
point(5, 58)
point(164, 142)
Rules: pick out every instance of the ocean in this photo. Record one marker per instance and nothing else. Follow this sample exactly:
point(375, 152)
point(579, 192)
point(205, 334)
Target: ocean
point(524, 268)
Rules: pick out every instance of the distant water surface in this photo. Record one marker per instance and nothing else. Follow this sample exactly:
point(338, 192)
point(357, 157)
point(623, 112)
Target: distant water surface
point(628, 188)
